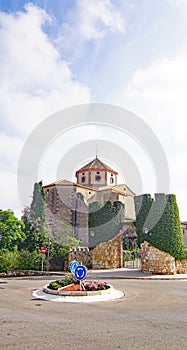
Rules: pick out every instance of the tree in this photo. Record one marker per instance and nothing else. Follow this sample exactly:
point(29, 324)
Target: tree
point(34, 240)
point(34, 221)
point(38, 208)
point(11, 230)
point(161, 217)
point(60, 245)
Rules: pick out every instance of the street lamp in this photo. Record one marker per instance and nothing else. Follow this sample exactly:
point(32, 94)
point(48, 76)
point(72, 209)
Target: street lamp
point(146, 232)
point(50, 224)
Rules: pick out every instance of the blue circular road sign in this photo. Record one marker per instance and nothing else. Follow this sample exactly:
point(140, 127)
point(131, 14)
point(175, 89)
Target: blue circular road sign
point(73, 266)
point(80, 272)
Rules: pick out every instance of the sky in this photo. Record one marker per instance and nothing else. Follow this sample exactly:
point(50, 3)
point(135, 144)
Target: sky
point(126, 53)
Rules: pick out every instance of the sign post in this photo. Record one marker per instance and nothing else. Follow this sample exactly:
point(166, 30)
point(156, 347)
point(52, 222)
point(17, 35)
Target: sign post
point(50, 224)
point(73, 266)
point(43, 251)
point(80, 273)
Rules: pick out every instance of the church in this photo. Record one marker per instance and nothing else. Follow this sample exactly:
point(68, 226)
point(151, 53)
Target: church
point(68, 202)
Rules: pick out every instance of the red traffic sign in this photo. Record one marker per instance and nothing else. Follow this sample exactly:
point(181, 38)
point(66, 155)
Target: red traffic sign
point(43, 250)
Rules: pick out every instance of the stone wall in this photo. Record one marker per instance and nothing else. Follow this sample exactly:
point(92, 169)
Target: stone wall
point(155, 261)
point(181, 266)
point(108, 255)
point(82, 255)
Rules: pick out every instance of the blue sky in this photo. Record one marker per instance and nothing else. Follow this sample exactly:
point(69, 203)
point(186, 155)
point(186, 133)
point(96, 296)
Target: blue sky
point(56, 54)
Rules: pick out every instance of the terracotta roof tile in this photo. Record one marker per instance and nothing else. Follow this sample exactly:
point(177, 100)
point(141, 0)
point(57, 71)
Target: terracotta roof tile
point(96, 164)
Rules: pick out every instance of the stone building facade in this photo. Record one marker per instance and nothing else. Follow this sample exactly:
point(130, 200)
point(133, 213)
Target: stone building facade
point(67, 202)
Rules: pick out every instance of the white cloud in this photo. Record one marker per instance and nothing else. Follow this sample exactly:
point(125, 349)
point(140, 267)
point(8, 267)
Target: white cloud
point(96, 18)
point(177, 2)
point(10, 148)
point(157, 93)
point(35, 81)
point(90, 20)
point(8, 192)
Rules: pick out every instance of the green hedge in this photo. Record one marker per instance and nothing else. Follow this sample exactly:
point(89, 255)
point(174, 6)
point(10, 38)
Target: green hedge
point(161, 218)
point(68, 279)
point(105, 220)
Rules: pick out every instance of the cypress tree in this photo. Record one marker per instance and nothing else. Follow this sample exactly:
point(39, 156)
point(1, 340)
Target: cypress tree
point(34, 220)
point(38, 208)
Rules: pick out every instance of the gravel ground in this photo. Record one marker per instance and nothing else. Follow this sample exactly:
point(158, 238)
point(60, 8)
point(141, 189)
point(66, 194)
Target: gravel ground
point(152, 315)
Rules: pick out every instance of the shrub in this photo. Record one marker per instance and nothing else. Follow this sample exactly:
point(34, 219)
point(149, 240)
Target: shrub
point(54, 285)
point(9, 260)
point(19, 260)
point(68, 279)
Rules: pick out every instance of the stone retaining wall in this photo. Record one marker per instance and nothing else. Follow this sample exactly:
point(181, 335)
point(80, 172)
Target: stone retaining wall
point(107, 255)
point(181, 266)
point(155, 261)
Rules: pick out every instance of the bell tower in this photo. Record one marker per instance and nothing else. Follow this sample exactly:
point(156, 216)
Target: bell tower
point(96, 174)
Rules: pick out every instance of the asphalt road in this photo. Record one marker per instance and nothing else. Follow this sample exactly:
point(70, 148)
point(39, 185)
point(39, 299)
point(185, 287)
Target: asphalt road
point(152, 315)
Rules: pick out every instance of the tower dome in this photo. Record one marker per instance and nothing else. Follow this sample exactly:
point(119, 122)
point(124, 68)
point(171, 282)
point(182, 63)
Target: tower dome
point(96, 174)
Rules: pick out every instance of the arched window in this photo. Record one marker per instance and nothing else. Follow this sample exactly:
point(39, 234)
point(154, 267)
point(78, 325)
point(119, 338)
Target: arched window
point(83, 179)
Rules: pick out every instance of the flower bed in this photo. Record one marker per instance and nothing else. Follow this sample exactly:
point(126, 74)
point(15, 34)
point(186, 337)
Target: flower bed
point(65, 287)
point(95, 285)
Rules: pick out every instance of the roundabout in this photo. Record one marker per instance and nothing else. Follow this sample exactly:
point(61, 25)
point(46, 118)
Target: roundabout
point(75, 289)
point(80, 296)
point(152, 315)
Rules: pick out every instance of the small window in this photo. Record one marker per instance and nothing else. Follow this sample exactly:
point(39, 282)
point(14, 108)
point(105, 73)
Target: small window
point(97, 178)
point(98, 172)
point(83, 173)
point(111, 174)
point(83, 179)
point(111, 180)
